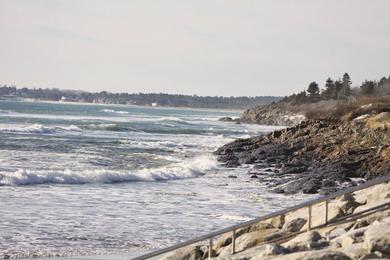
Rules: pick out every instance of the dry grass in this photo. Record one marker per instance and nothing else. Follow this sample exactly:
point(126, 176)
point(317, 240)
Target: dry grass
point(346, 111)
point(380, 121)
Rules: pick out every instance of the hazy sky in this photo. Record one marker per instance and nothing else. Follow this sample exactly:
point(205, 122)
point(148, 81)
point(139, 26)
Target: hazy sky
point(204, 47)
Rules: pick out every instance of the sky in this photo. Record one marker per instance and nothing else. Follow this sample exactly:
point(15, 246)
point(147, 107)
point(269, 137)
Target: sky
point(203, 47)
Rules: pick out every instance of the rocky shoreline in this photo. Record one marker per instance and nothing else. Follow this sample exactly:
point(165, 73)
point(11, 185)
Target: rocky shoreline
point(315, 156)
point(283, 113)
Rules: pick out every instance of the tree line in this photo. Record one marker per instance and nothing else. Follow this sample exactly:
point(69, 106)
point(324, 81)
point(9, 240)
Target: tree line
point(144, 99)
point(340, 89)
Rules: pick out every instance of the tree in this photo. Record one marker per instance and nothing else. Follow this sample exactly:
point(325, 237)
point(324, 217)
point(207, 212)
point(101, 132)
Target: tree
point(314, 91)
point(327, 93)
point(382, 81)
point(345, 91)
point(300, 97)
point(337, 88)
point(368, 87)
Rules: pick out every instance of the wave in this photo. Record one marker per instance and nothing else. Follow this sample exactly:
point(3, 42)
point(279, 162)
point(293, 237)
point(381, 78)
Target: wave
point(5, 111)
point(38, 129)
point(114, 111)
point(188, 169)
point(171, 118)
point(105, 127)
point(236, 218)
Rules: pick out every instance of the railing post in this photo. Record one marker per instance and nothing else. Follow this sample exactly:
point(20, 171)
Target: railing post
point(234, 242)
point(309, 218)
point(326, 211)
point(210, 248)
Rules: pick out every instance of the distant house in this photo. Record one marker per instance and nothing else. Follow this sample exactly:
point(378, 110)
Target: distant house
point(63, 98)
point(154, 104)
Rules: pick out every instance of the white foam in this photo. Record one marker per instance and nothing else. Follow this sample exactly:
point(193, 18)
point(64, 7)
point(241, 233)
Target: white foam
point(296, 117)
point(4, 111)
point(171, 118)
point(186, 169)
point(114, 111)
point(236, 218)
point(37, 128)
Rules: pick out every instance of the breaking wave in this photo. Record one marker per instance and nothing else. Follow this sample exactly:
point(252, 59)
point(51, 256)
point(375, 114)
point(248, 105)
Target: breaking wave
point(114, 111)
point(182, 170)
point(38, 129)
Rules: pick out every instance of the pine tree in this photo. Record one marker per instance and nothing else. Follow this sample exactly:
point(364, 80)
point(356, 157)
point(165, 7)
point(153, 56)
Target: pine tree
point(314, 91)
point(368, 87)
point(345, 91)
point(327, 93)
point(337, 88)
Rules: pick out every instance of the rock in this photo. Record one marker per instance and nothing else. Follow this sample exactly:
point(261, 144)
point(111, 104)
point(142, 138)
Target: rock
point(347, 241)
point(336, 233)
point(354, 251)
point(319, 154)
point(222, 241)
point(278, 221)
point(257, 252)
point(260, 226)
point(226, 239)
point(313, 255)
point(274, 250)
point(186, 253)
point(372, 256)
point(305, 241)
point(226, 119)
point(294, 225)
point(251, 239)
point(377, 237)
point(229, 119)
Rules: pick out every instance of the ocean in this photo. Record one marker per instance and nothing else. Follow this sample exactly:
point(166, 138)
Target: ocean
point(90, 179)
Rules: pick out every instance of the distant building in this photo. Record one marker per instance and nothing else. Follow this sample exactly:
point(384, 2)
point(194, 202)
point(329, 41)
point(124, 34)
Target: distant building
point(63, 98)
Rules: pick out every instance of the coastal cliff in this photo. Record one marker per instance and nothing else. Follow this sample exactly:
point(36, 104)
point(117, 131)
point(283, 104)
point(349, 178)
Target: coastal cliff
point(318, 155)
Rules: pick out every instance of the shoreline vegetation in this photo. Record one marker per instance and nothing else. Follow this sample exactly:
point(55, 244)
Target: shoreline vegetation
point(330, 144)
point(140, 99)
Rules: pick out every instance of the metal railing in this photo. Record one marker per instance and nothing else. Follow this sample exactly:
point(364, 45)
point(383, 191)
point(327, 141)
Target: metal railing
point(234, 228)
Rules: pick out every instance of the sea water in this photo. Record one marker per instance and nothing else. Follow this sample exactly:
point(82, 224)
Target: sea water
point(88, 179)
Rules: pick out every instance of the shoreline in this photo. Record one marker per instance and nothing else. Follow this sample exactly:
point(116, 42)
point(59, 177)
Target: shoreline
point(128, 105)
point(315, 156)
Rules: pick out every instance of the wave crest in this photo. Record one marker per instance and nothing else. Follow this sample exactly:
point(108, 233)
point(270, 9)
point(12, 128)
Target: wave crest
point(114, 111)
point(38, 129)
point(183, 170)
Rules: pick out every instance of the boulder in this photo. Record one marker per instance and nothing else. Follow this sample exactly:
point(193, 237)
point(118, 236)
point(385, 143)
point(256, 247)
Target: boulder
point(355, 251)
point(278, 221)
point(377, 237)
point(251, 239)
point(305, 241)
point(312, 255)
point(294, 225)
point(186, 253)
point(263, 251)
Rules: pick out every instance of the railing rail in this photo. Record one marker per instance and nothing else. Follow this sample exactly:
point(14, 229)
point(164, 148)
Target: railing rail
point(233, 229)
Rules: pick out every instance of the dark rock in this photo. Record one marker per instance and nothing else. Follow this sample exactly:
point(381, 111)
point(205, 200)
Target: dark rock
point(313, 156)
